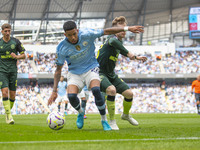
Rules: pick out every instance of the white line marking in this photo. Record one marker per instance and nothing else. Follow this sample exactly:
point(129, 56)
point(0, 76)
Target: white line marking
point(109, 140)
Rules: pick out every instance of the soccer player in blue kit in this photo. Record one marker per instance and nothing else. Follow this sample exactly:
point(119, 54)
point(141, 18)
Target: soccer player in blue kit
point(62, 93)
point(78, 50)
point(84, 95)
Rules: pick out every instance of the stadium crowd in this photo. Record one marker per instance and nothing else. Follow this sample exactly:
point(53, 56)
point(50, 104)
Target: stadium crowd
point(175, 99)
point(180, 62)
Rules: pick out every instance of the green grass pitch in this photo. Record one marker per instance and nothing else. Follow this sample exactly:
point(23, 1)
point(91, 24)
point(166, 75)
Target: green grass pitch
point(155, 132)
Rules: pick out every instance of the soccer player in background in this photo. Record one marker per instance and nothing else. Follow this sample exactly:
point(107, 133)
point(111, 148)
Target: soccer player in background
point(62, 93)
point(78, 49)
point(196, 86)
point(84, 95)
point(111, 84)
point(9, 49)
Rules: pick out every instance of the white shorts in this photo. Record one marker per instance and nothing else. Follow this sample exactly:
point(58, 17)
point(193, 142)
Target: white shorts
point(83, 79)
point(83, 94)
point(62, 98)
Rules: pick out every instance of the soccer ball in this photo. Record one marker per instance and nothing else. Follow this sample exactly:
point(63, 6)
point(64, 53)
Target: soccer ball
point(56, 120)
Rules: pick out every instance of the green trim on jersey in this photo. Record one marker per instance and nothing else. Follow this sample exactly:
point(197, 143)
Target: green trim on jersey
point(7, 63)
point(108, 55)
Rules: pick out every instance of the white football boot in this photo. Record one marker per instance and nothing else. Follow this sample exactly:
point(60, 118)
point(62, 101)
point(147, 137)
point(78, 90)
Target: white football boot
point(113, 125)
point(129, 119)
point(9, 119)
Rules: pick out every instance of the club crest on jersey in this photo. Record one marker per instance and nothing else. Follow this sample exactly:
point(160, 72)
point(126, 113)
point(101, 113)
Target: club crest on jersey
point(13, 46)
point(78, 47)
point(1, 47)
point(85, 43)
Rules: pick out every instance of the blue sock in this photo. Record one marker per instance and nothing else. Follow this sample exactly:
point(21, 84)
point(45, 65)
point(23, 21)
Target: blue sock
point(74, 101)
point(99, 101)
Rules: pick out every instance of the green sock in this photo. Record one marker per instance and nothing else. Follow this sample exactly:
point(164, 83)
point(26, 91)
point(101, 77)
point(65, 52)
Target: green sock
point(6, 104)
point(11, 103)
point(111, 106)
point(127, 106)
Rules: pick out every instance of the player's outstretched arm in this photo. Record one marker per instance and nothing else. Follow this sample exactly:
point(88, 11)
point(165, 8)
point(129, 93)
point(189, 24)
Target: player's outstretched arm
point(114, 30)
point(56, 80)
point(132, 57)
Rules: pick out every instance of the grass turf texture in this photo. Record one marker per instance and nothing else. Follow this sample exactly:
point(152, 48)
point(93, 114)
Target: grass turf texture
point(156, 131)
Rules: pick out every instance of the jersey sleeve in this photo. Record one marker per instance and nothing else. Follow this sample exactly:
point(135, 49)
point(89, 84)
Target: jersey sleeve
point(118, 45)
point(95, 33)
point(20, 47)
point(60, 59)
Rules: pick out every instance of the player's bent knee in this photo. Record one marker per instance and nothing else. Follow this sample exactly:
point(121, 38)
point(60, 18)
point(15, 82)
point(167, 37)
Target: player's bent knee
point(5, 93)
point(111, 90)
point(128, 94)
point(74, 101)
point(72, 97)
point(98, 97)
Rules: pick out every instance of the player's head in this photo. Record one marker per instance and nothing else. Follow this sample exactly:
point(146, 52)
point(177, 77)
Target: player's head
point(120, 22)
point(71, 31)
point(198, 77)
point(6, 30)
point(62, 78)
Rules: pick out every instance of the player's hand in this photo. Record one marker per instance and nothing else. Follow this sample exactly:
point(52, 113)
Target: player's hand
point(52, 98)
point(13, 55)
point(143, 58)
point(136, 29)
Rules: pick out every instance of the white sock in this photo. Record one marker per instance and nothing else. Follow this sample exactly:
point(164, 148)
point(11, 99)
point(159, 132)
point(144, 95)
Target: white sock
point(80, 110)
point(103, 117)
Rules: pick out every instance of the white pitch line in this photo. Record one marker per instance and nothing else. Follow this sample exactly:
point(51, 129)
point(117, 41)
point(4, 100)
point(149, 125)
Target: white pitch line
point(109, 140)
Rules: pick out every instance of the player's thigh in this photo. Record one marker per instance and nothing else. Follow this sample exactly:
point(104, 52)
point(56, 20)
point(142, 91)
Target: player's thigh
point(4, 80)
point(120, 85)
point(13, 81)
point(105, 82)
point(74, 80)
point(92, 78)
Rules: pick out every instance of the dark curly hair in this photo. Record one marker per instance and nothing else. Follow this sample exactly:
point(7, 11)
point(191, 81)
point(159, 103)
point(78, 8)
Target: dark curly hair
point(69, 25)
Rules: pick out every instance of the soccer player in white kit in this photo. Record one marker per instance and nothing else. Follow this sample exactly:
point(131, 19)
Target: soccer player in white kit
point(78, 49)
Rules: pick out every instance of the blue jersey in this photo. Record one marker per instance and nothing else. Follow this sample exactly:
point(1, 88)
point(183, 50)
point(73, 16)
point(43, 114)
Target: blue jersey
point(80, 57)
point(62, 88)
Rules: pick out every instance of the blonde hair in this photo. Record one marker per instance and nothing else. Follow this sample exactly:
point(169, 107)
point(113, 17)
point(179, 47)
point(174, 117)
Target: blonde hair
point(5, 25)
point(119, 20)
